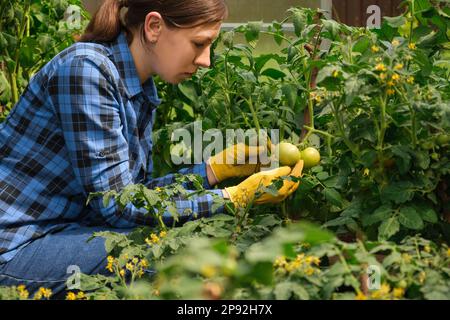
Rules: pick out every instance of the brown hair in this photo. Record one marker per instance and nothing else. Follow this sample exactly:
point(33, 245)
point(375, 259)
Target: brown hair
point(106, 24)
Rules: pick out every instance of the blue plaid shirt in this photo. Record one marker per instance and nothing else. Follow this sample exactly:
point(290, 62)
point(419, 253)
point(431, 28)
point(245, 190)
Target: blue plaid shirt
point(83, 124)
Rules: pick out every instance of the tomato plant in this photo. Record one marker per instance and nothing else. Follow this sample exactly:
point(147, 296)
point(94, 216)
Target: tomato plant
point(375, 104)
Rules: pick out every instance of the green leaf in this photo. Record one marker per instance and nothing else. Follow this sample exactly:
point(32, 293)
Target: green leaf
point(332, 27)
point(326, 72)
point(5, 88)
point(227, 38)
point(380, 214)
point(252, 32)
point(273, 73)
point(421, 6)
point(362, 45)
point(395, 22)
point(352, 88)
point(429, 215)
point(399, 192)
point(151, 196)
point(299, 21)
point(403, 158)
point(333, 196)
point(423, 159)
point(388, 228)
point(189, 91)
point(286, 289)
point(410, 218)
point(290, 93)
point(314, 234)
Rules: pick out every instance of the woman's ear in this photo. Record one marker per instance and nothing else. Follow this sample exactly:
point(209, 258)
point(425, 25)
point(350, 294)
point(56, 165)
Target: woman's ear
point(152, 26)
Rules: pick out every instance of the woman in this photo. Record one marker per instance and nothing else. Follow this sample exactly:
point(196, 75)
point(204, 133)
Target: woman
point(84, 125)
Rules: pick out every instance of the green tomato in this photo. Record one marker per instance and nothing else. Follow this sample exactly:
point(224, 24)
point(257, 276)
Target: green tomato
point(402, 284)
point(435, 156)
point(427, 145)
point(311, 157)
point(442, 139)
point(289, 154)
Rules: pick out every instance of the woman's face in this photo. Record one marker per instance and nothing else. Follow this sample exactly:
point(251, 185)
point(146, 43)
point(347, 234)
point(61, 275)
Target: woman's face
point(179, 52)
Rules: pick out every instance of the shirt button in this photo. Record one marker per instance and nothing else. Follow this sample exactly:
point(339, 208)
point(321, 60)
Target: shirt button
point(101, 154)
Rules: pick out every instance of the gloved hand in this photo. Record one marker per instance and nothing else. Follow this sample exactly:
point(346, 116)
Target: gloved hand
point(243, 193)
point(238, 160)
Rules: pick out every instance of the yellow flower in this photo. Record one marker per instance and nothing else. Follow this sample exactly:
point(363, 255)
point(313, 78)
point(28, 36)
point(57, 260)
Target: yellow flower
point(335, 74)
point(316, 261)
point(398, 66)
point(380, 67)
point(208, 271)
point(395, 42)
point(360, 296)
point(109, 267)
point(312, 260)
point(140, 273)
point(152, 240)
point(375, 49)
point(395, 77)
point(412, 46)
point(37, 296)
point(46, 293)
point(158, 189)
point(23, 293)
point(422, 277)
point(398, 292)
point(391, 84)
point(81, 295)
point(309, 271)
point(110, 259)
point(144, 263)
point(162, 234)
point(318, 99)
point(289, 267)
point(366, 172)
point(406, 257)
point(410, 80)
point(383, 76)
point(71, 296)
point(135, 260)
point(390, 92)
point(448, 252)
point(378, 59)
point(280, 262)
point(122, 272)
point(382, 292)
point(427, 249)
point(129, 266)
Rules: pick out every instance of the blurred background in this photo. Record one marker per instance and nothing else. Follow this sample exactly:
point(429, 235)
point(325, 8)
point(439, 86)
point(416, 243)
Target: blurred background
point(351, 12)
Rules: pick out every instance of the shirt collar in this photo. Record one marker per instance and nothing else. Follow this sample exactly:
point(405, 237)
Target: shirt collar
point(127, 69)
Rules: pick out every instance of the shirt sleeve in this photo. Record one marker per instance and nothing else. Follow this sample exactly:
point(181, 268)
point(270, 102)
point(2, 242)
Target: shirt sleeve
point(86, 102)
point(198, 169)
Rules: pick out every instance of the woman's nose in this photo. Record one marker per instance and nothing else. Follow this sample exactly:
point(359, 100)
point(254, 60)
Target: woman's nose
point(204, 59)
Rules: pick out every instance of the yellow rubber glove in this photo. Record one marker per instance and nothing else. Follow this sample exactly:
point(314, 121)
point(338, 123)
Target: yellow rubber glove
point(244, 192)
point(238, 160)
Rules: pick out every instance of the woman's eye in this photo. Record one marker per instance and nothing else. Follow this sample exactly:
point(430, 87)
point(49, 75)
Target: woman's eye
point(199, 45)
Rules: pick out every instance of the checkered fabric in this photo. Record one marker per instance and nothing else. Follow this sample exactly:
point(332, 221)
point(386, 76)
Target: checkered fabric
point(83, 124)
